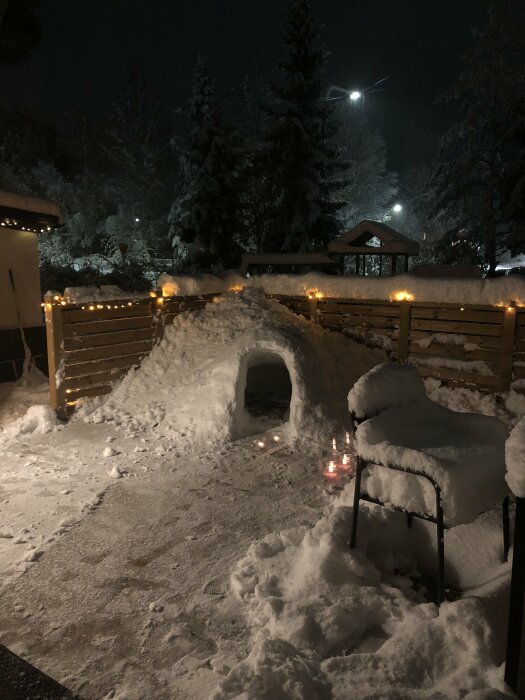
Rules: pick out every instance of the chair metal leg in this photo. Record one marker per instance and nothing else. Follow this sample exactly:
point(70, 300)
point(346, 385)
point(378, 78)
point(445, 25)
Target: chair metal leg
point(409, 520)
point(440, 547)
point(517, 588)
point(357, 493)
point(506, 528)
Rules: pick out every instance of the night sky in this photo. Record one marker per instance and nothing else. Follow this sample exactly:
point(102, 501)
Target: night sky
point(89, 47)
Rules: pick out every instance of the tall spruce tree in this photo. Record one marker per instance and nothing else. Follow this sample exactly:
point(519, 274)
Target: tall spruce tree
point(480, 180)
point(371, 189)
point(208, 213)
point(299, 156)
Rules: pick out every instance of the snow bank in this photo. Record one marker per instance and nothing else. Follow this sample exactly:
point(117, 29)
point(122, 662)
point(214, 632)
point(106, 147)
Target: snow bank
point(327, 622)
point(38, 419)
point(77, 295)
point(515, 459)
point(191, 386)
point(200, 283)
point(482, 291)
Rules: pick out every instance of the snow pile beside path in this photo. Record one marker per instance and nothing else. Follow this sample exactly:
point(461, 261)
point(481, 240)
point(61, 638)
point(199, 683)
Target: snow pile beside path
point(515, 459)
point(191, 386)
point(38, 419)
point(327, 622)
point(482, 291)
point(77, 295)
point(17, 397)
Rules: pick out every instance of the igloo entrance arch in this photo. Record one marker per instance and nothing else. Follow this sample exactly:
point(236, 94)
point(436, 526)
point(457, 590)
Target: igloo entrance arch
point(266, 391)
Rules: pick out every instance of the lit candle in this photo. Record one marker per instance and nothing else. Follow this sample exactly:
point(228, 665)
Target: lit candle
point(347, 438)
point(330, 472)
point(334, 445)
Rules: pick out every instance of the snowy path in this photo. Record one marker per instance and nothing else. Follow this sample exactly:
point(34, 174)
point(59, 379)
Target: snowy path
point(136, 595)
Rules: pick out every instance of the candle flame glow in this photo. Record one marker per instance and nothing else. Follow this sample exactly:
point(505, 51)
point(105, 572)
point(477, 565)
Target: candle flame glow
point(402, 295)
point(314, 294)
point(170, 289)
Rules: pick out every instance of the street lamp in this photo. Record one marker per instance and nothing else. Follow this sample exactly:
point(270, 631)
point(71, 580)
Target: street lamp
point(397, 208)
point(355, 95)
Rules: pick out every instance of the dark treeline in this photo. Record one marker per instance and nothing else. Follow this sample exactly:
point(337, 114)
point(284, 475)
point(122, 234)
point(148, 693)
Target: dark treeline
point(277, 168)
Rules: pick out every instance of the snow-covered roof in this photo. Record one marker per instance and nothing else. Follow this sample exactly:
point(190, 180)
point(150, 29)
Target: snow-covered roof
point(391, 242)
point(34, 213)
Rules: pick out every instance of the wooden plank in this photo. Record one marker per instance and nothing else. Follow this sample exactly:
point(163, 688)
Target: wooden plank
point(364, 321)
point(467, 315)
point(519, 345)
point(53, 313)
point(456, 352)
point(77, 329)
point(361, 309)
point(81, 369)
point(507, 349)
point(520, 316)
point(520, 332)
point(117, 338)
point(105, 314)
point(457, 376)
point(88, 391)
point(461, 328)
point(98, 379)
point(106, 351)
point(404, 331)
point(369, 322)
point(486, 342)
point(442, 305)
point(519, 371)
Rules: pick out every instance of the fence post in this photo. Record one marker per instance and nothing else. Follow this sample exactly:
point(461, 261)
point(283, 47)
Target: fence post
point(312, 308)
point(507, 347)
point(404, 330)
point(55, 354)
point(157, 314)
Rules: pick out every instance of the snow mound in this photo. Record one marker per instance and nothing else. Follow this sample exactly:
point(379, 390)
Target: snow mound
point(38, 419)
point(192, 384)
point(515, 459)
point(77, 295)
point(325, 618)
point(385, 386)
point(17, 397)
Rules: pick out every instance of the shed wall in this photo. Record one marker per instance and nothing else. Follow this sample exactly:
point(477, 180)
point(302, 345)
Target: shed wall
point(19, 252)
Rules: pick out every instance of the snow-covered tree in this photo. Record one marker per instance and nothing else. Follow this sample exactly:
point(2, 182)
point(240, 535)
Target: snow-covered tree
point(300, 158)
point(372, 188)
point(208, 212)
point(136, 183)
point(480, 180)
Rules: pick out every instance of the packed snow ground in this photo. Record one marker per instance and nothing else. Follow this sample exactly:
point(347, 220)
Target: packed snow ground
point(139, 563)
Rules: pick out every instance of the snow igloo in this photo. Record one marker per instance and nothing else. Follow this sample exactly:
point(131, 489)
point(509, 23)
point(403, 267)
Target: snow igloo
point(239, 367)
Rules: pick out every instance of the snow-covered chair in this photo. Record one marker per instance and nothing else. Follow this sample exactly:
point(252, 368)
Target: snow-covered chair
point(421, 458)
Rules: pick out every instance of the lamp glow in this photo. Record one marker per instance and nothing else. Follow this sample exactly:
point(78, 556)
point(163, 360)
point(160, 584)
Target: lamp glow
point(355, 95)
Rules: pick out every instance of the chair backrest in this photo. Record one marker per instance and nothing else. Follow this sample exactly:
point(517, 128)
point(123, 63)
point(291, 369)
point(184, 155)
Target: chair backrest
point(385, 386)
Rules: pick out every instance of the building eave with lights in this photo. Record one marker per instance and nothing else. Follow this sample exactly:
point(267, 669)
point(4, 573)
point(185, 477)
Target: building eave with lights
point(22, 220)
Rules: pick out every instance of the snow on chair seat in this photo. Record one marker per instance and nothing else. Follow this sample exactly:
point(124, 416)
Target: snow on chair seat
point(442, 466)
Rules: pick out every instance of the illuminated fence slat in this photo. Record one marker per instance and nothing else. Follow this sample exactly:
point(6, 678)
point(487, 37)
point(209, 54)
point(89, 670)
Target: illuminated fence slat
point(90, 346)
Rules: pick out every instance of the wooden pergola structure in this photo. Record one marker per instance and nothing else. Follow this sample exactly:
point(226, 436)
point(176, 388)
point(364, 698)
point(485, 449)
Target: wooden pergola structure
point(377, 239)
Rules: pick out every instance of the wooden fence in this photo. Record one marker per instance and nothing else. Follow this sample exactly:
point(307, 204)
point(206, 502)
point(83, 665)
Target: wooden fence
point(92, 345)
